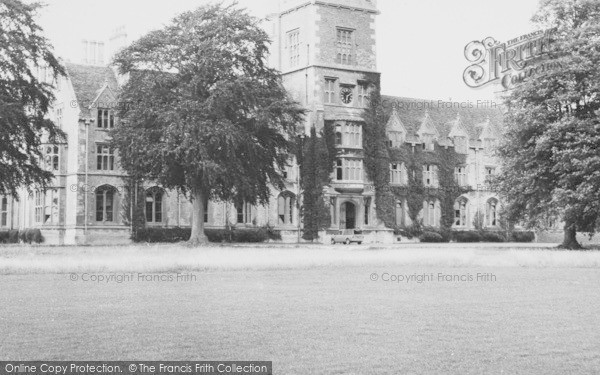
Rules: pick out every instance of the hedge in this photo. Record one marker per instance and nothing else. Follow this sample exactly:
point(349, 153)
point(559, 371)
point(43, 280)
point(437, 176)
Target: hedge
point(431, 237)
point(9, 236)
point(485, 236)
point(31, 236)
point(522, 236)
point(173, 235)
point(467, 236)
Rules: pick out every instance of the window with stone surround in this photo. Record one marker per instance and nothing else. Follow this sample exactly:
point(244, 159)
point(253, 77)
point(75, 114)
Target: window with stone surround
point(106, 118)
point(363, 95)
point(285, 208)
point(349, 170)
point(154, 205)
point(398, 174)
point(460, 212)
point(105, 158)
point(293, 46)
point(329, 91)
point(460, 175)
point(52, 158)
point(105, 203)
point(348, 134)
point(244, 212)
point(345, 46)
point(4, 212)
point(430, 175)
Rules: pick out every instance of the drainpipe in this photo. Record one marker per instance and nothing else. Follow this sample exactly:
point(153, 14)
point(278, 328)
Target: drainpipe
point(87, 162)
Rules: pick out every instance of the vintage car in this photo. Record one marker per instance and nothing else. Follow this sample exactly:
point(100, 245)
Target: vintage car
point(347, 236)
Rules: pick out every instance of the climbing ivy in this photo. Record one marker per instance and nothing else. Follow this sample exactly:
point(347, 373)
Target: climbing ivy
point(379, 155)
point(316, 165)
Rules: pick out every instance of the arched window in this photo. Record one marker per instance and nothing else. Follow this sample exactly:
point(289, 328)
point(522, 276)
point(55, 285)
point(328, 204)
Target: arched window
point(492, 212)
point(4, 212)
point(285, 208)
point(460, 212)
point(154, 205)
point(105, 203)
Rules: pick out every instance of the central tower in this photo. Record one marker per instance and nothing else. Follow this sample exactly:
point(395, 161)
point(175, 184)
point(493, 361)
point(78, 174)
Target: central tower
point(326, 52)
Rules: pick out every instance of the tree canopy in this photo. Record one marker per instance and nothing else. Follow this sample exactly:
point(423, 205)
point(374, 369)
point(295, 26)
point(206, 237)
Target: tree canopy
point(24, 99)
point(551, 152)
point(202, 112)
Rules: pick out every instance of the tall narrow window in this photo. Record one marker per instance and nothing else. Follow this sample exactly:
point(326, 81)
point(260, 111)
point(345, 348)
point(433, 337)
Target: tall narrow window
point(363, 95)
point(52, 158)
point(154, 205)
point(492, 213)
point(400, 214)
point(106, 119)
point(339, 170)
point(39, 207)
point(51, 208)
point(59, 115)
point(206, 203)
point(430, 175)
point(428, 142)
point(460, 212)
point(345, 46)
point(244, 213)
point(105, 158)
point(367, 210)
point(285, 208)
point(105, 196)
point(429, 214)
point(398, 174)
point(4, 212)
point(460, 175)
point(490, 172)
point(329, 91)
point(293, 40)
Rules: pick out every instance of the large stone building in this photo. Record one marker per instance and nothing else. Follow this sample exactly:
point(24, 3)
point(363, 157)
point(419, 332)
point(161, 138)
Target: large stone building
point(326, 52)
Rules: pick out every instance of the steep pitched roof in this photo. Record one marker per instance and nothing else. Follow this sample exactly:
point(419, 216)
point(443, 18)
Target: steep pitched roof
point(442, 116)
point(91, 83)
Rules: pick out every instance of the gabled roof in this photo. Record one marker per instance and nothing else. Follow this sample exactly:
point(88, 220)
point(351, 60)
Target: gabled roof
point(457, 128)
point(90, 83)
point(442, 117)
point(395, 124)
point(427, 126)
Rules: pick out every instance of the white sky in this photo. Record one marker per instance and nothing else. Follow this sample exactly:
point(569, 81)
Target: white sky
point(420, 42)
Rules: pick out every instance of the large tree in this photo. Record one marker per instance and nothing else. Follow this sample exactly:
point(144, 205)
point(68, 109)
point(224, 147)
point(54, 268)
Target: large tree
point(24, 100)
point(203, 113)
point(551, 152)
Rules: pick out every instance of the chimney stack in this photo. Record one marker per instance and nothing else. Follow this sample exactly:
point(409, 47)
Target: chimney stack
point(118, 41)
point(92, 52)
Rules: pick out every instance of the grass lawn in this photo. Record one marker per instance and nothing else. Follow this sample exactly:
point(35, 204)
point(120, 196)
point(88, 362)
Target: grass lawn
point(311, 310)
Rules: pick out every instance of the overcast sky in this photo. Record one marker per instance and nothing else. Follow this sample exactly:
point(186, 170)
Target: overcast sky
point(420, 42)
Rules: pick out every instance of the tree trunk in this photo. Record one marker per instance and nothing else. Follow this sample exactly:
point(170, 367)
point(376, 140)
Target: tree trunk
point(198, 237)
point(570, 238)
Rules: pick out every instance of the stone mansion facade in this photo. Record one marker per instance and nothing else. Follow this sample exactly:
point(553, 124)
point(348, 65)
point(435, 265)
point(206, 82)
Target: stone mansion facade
point(325, 50)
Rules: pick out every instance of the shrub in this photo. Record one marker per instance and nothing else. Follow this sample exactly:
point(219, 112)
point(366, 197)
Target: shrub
point(522, 236)
point(492, 237)
point(30, 236)
point(4, 236)
point(431, 237)
point(173, 235)
point(13, 236)
point(467, 236)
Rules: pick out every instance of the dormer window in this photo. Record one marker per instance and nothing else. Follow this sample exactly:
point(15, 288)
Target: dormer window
point(461, 145)
point(489, 145)
point(428, 142)
point(395, 139)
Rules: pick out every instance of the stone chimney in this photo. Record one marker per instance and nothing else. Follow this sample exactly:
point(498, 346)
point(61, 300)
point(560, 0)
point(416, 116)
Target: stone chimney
point(92, 52)
point(118, 41)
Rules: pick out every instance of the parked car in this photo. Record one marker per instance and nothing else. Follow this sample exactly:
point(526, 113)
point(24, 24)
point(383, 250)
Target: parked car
point(347, 236)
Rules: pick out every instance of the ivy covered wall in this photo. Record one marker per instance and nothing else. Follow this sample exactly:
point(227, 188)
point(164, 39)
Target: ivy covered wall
point(379, 155)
